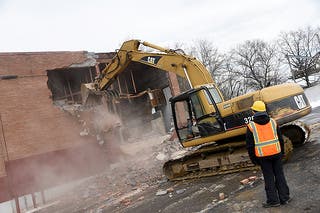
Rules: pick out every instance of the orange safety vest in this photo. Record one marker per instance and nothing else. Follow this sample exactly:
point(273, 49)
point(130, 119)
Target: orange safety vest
point(265, 138)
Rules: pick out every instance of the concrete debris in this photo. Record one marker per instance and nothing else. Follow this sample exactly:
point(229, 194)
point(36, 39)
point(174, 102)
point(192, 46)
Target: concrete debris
point(140, 198)
point(96, 122)
point(144, 185)
point(237, 207)
point(222, 201)
point(221, 196)
point(161, 192)
point(163, 180)
point(180, 191)
point(250, 180)
point(85, 132)
point(126, 201)
point(244, 181)
point(216, 202)
point(253, 178)
point(215, 187)
point(171, 189)
point(132, 182)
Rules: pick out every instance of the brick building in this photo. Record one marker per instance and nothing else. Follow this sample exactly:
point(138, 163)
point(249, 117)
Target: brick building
point(39, 141)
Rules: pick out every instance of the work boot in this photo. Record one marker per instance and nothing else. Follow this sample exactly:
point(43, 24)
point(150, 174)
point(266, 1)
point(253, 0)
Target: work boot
point(286, 202)
point(268, 205)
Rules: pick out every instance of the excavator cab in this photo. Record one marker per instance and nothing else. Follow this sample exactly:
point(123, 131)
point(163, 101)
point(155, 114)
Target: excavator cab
point(195, 113)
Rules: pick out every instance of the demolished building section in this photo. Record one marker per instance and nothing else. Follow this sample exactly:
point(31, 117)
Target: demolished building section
point(37, 139)
point(48, 137)
point(133, 85)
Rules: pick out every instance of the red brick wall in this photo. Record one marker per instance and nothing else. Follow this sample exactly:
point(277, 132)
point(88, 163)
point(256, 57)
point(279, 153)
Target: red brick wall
point(36, 63)
point(31, 123)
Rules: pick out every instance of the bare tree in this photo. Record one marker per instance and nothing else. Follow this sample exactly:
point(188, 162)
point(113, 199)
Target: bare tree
point(302, 50)
point(208, 55)
point(231, 84)
point(258, 63)
point(221, 67)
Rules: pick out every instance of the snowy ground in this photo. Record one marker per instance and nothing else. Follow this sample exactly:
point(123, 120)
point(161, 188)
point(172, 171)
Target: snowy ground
point(313, 95)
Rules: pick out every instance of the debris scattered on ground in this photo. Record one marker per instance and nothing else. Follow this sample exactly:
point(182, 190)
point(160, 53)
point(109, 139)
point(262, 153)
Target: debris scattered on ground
point(244, 181)
point(139, 170)
point(221, 196)
point(126, 201)
point(140, 198)
point(170, 189)
point(161, 192)
point(249, 180)
point(253, 178)
point(180, 191)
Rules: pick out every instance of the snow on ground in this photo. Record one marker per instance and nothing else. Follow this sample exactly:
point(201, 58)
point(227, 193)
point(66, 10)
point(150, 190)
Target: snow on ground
point(313, 95)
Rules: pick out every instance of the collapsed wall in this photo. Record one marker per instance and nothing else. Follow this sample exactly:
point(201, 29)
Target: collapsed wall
point(40, 144)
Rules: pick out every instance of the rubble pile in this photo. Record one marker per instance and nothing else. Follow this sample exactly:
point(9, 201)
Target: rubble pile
point(95, 121)
point(137, 163)
point(138, 168)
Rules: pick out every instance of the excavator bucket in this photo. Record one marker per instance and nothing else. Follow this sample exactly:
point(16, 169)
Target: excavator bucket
point(90, 94)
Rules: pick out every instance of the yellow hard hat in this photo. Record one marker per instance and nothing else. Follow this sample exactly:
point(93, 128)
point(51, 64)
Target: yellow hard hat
point(258, 106)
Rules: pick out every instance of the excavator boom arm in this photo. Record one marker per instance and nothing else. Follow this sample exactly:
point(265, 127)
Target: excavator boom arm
point(165, 59)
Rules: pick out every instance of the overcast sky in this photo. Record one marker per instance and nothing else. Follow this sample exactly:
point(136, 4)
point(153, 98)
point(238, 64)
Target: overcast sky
point(102, 25)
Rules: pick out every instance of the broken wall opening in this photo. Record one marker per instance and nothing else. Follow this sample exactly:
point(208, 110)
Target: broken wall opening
point(134, 106)
point(65, 83)
point(132, 103)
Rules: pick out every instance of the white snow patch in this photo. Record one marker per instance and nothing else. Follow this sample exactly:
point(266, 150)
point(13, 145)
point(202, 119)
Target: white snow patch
point(313, 94)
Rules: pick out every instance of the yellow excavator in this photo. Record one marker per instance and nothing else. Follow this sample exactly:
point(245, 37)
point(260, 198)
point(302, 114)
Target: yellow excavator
point(215, 128)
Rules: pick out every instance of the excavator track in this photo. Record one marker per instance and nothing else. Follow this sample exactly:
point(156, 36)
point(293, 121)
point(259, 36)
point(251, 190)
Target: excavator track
point(209, 161)
point(215, 159)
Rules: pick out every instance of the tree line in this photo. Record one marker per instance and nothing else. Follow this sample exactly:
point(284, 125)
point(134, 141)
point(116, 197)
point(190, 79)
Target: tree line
point(255, 64)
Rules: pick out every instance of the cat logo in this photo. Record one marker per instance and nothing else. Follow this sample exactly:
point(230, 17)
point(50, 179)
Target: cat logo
point(151, 59)
point(300, 101)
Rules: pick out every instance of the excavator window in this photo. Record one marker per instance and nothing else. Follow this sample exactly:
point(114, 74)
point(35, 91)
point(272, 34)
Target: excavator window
point(205, 115)
point(215, 95)
point(197, 107)
point(200, 118)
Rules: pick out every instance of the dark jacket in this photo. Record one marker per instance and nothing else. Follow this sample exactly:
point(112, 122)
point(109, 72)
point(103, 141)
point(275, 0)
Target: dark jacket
point(261, 118)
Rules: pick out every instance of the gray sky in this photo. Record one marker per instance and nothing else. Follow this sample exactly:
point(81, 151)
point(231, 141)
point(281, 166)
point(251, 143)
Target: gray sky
point(102, 25)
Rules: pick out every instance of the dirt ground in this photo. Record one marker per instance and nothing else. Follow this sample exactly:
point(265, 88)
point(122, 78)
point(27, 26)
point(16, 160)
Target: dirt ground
point(137, 184)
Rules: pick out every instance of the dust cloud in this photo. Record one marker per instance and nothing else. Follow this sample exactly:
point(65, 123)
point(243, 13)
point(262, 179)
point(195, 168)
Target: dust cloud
point(133, 159)
point(108, 156)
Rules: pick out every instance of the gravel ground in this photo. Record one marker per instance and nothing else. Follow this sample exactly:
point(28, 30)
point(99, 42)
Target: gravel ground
point(136, 184)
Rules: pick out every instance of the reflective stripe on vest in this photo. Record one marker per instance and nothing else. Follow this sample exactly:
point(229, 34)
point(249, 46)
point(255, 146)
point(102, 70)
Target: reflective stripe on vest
point(265, 138)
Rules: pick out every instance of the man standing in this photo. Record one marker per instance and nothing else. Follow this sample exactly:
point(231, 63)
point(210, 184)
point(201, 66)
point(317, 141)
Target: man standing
point(265, 148)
